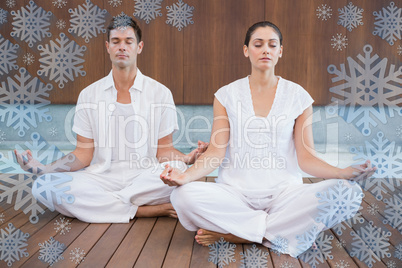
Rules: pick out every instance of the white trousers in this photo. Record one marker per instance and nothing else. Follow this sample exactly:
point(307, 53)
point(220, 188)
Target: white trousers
point(110, 197)
point(287, 221)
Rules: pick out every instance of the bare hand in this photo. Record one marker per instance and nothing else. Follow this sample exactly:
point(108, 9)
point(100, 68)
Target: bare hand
point(358, 172)
point(173, 176)
point(194, 154)
point(28, 163)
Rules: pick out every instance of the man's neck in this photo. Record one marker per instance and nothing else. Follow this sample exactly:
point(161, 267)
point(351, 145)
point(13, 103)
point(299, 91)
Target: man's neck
point(124, 78)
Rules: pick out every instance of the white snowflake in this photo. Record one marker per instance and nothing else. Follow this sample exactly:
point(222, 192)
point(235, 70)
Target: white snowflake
point(51, 251)
point(365, 92)
point(28, 59)
point(62, 61)
point(306, 239)
point(254, 258)
point(61, 24)
point(370, 244)
point(286, 264)
point(398, 252)
point(393, 212)
point(399, 131)
point(348, 137)
point(388, 23)
point(337, 204)
point(8, 55)
point(10, 3)
point(7, 163)
point(280, 245)
point(342, 264)
point(87, 20)
point(391, 264)
point(2, 136)
point(383, 154)
point(62, 226)
point(53, 131)
point(23, 101)
point(314, 256)
point(221, 253)
point(324, 12)
point(115, 3)
point(350, 16)
point(121, 21)
point(373, 209)
point(31, 24)
point(59, 3)
point(147, 9)
point(2, 218)
point(340, 227)
point(340, 243)
point(339, 41)
point(3, 16)
point(399, 49)
point(13, 244)
point(180, 15)
point(77, 255)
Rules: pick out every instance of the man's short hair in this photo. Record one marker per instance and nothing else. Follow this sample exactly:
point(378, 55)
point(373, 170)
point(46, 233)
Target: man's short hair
point(123, 21)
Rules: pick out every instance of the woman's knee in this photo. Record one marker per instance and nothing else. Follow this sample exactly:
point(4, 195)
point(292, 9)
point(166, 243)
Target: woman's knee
point(185, 196)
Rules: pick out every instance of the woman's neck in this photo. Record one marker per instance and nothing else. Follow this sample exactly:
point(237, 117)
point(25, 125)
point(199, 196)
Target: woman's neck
point(263, 80)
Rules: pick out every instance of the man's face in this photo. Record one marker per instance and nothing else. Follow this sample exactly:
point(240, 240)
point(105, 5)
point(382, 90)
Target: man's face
point(123, 47)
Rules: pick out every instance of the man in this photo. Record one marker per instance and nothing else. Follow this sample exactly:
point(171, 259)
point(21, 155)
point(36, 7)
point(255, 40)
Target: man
point(124, 124)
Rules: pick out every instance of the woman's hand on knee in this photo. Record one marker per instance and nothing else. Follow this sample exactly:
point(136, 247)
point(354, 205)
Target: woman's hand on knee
point(357, 172)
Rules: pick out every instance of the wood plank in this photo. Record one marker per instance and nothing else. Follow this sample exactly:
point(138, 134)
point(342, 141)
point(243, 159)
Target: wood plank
point(130, 248)
point(157, 244)
point(247, 249)
point(107, 245)
point(180, 249)
point(200, 257)
point(283, 259)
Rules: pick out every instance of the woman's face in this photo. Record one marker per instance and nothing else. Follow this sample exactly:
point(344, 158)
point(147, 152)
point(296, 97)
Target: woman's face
point(264, 48)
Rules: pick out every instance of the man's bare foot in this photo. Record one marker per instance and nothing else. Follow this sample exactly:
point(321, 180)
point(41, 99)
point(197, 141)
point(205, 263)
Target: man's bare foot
point(206, 238)
point(156, 211)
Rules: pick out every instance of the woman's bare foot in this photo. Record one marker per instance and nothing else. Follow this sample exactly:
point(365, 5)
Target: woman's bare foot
point(156, 211)
point(206, 238)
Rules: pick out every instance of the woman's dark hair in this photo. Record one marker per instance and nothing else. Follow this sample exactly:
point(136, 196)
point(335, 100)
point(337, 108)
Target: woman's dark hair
point(257, 25)
point(124, 20)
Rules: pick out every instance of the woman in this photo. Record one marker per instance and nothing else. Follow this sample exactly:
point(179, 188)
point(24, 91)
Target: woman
point(261, 134)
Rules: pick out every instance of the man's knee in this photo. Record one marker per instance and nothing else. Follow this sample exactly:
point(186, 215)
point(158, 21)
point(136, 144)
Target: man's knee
point(184, 197)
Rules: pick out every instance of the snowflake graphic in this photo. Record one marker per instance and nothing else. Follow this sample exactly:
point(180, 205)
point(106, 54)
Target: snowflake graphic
point(22, 102)
point(31, 24)
point(3, 16)
point(391, 264)
point(307, 239)
point(340, 227)
point(53, 131)
point(366, 85)
point(180, 15)
point(8, 164)
point(340, 243)
point(147, 9)
point(373, 209)
point(87, 20)
point(59, 3)
point(115, 3)
point(280, 245)
point(342, 264)
point(370, 244)
point(398, 251)
point(62, 226)
point(61, 62)
point(399, 50)
point(254, 258)
point(221, 253)
point(350, 16)
point(339, 41)
point(286, 264)
point(13, 244)
point(393, 212)
point(10, 3)
point(121, 21)
point(8, 56)
point(324, 12)
point(399, 131)
point(338, 203)
point(28, 59)
point(2, 218)
point(314, 256)
point(383, 154)
point(348, 137)
point(2, 137)
point(51, 251)
point(61, 24)
point(77, 255)
point(388, 23)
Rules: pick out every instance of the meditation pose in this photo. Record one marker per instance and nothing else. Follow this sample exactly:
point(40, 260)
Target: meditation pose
point(124, 124)
point(261, 135)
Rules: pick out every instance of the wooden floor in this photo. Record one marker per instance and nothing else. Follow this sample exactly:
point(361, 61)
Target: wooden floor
point(157, 242)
